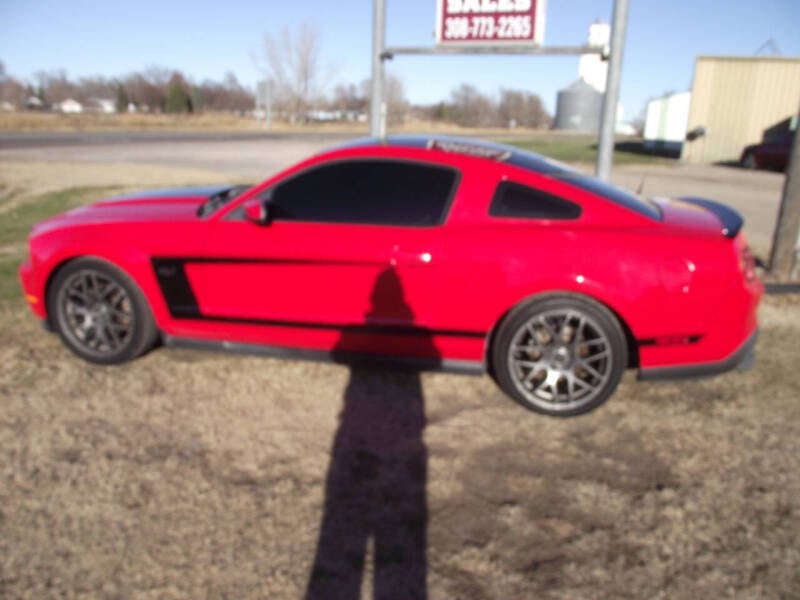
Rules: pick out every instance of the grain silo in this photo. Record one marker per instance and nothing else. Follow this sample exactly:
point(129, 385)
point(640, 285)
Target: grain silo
point(578, 107)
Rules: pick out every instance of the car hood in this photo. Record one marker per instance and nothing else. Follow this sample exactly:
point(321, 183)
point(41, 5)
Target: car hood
point(700, 216)
point(172, 204)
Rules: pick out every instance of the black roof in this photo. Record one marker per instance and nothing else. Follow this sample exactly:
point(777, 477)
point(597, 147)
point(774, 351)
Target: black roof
point(469, 146)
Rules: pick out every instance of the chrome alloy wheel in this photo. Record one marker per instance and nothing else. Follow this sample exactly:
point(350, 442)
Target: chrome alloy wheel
point(560, 360)
point(96, 313)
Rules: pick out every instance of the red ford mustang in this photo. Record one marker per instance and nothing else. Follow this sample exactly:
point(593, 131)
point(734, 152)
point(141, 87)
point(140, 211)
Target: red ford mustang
point(444, 253)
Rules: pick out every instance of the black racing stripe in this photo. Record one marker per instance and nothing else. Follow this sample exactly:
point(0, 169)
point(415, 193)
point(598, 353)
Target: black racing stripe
point(182, 304)
point(358, 328)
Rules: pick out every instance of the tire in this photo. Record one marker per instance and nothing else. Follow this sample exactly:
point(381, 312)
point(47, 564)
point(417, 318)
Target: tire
point(99, 312)
point(560, 355)
point(749, 161)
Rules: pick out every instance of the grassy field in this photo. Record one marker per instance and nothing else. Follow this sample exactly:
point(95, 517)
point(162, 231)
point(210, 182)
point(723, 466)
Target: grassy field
point(185, 474)
point(16, 222)
point(583, 149)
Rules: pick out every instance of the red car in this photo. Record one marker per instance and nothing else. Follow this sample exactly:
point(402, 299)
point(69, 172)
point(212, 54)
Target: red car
point(442, 253)
point(773, 154)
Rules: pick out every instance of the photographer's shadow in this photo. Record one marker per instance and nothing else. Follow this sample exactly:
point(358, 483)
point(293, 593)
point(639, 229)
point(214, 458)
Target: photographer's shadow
point(375, 487)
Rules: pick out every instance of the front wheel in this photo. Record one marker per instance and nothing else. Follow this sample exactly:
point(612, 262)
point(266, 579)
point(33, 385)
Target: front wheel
point(560, 355)
point(99, 312)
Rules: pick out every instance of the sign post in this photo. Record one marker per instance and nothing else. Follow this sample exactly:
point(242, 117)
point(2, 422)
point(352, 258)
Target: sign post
point(377, 127)
point(501, 27)
point(608, 117)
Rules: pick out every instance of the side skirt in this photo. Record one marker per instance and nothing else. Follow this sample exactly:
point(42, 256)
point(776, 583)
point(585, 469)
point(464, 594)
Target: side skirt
point(465, 367)
point(742, 359)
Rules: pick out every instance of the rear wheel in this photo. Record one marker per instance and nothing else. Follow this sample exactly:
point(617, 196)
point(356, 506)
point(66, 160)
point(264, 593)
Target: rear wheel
point(560, 355)
point(99, 312)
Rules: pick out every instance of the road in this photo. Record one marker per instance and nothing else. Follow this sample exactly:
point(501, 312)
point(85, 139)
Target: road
point(257, 155)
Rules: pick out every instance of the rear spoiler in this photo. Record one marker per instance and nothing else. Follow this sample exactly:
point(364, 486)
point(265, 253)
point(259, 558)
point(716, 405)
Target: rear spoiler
point(731, 220)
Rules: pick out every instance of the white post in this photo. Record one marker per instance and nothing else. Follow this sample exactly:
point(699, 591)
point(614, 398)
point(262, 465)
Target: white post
point(377, 123)
point(608, 119)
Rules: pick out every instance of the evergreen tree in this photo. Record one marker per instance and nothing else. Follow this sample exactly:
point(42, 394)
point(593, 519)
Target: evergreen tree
point(177, 98)
point(122, 99)
point(196, 100)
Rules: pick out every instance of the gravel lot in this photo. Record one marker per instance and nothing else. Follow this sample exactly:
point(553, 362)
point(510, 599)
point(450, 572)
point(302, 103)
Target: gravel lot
point(186, 474)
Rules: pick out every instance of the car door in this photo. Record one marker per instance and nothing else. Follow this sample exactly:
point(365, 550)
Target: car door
point(343, 242)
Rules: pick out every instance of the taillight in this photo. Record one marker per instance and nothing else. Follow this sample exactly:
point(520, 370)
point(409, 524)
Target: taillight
point(747, 263)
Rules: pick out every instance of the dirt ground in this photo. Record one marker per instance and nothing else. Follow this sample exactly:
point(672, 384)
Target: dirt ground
point(186, 474)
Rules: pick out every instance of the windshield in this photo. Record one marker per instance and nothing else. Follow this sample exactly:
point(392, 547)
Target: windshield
point(220, 199)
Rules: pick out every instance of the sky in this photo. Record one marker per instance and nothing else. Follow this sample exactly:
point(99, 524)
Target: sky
point(207, 38)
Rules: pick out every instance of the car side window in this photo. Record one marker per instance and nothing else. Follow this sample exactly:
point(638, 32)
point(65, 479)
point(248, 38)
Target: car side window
point(377, 192)
point(513, 200)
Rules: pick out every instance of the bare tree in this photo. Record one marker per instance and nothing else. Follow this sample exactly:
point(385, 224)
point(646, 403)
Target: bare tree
point(293, 63)
point(394, 95)
point(396, 104)
point(227, 95)
point(521, 108)
point(13, 92)
point(148, 90)
point(95, 87)
point(349, 97)
point(53, 86)
point(471, 108)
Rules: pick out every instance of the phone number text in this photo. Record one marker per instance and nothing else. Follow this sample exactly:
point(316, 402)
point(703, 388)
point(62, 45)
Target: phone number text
point(505, 27)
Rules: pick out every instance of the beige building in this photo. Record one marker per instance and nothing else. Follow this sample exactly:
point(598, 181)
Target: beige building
point(737, 100)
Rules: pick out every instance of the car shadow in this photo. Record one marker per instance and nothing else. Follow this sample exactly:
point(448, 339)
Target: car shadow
point(375, 488)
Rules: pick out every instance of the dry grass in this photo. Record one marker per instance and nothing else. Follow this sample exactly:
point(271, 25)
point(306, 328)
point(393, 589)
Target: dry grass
point(222, 121)
point(198, 475)
point(34, 121)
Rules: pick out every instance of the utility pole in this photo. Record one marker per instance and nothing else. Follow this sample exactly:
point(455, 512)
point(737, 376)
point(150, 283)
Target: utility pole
point(608, 119)
point(783, 259)
point(376, 110)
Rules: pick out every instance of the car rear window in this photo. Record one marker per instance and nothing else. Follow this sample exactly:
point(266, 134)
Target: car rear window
point(379, 192)
point(513, 200)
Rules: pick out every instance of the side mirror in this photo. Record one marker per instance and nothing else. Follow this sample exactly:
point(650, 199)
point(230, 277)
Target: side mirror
point(256, 210)
point(696, 133)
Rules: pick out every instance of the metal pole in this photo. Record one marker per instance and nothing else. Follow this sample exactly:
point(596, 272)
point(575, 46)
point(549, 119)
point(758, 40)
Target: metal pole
point(605, 150)
point(505, 49)
point(378, 44)
point(782, 260)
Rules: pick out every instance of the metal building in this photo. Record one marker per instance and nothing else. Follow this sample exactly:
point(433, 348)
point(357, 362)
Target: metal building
point(578, 107)
point(739, 100)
